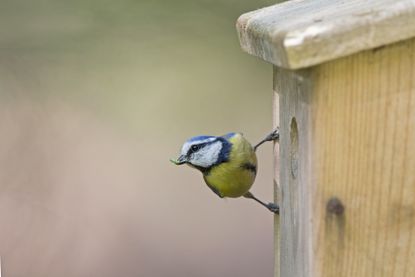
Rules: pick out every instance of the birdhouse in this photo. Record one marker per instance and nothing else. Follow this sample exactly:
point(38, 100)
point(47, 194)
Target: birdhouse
point(344, 90)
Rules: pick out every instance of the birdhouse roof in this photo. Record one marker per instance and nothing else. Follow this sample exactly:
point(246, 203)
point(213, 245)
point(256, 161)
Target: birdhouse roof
point(301, 33)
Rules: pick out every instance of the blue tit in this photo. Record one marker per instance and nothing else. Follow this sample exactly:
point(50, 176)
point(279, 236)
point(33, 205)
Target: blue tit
point(228, 163)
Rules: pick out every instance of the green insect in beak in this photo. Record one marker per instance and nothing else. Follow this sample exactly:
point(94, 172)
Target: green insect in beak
point(180, 160)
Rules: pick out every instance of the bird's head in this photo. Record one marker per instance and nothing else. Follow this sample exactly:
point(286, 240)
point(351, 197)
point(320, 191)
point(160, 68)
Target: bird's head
point(203, 152)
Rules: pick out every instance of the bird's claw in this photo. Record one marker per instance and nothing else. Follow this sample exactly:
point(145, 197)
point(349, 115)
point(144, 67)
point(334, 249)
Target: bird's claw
point(274, 135)
point(273, 208)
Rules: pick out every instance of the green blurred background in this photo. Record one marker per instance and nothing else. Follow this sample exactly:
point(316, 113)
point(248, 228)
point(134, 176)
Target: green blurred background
point(95, 97)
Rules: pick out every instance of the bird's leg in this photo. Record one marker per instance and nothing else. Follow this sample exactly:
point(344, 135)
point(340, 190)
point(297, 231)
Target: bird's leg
point(270, 206)
point(273, 136)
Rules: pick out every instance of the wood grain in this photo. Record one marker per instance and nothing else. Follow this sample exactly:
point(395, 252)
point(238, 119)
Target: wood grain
point(277, 188)
point(364, 153)
point(302, 33)
point(293, 88)
point(355, 119)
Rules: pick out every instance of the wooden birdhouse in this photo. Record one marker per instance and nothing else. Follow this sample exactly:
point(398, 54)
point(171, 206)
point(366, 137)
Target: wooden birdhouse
point(344, 88)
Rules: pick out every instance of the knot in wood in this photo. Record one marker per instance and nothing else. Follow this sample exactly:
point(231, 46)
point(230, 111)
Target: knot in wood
point(335, 206)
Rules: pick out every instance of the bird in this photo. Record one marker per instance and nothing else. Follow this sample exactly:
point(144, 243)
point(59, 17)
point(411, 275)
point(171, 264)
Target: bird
point(228, 163)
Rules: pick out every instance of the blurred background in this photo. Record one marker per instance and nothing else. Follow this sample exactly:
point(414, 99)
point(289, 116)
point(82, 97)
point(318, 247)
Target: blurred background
point(95, 97)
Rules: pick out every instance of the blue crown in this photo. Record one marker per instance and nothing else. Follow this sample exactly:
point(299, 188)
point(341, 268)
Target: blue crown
point(196, 138)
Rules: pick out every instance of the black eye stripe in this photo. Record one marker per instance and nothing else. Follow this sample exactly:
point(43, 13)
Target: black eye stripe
point(195, 148)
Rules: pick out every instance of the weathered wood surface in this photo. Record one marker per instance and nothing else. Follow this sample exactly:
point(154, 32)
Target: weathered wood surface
point(294, 92)
point(277, 187)
point(302, 33)
point(355, 141)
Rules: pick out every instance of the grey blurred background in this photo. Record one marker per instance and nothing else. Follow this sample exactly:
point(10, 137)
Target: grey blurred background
point(95, 97)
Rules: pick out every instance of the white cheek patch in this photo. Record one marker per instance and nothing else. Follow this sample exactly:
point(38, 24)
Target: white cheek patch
point(207, 156)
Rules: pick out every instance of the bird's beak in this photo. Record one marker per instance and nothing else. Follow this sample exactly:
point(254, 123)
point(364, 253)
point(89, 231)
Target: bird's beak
point(180, 160)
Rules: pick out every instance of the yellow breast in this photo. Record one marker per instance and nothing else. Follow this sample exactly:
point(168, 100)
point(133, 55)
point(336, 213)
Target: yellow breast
point(235, 177)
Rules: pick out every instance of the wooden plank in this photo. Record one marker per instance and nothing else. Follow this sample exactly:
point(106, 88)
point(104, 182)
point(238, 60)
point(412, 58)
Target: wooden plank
point(364, 154)
point(277, 187)
point(294, 88)
point(302, 33)
point(356, 143)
